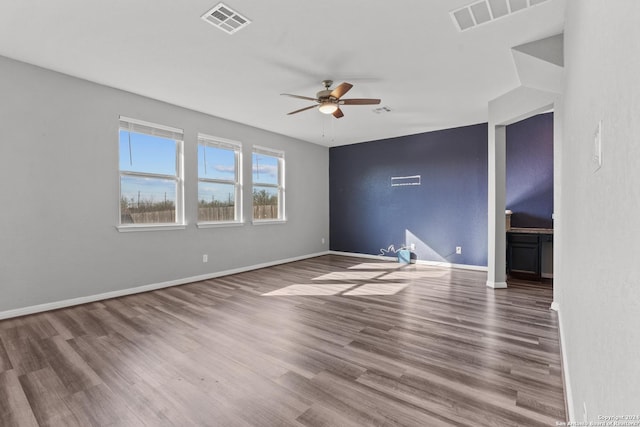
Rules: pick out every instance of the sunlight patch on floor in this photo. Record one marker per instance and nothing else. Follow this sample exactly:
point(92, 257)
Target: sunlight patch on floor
point(367, 278)
point(349, 275)
point(377, 289)
point(310, 290)
point(377, 266)
point(415, 274)
point(345, 289)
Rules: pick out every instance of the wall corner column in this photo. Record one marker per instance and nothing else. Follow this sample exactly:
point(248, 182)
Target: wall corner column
point(496, 230)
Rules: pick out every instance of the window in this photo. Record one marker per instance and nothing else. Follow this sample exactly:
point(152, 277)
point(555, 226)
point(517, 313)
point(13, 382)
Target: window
point(219, 180)
point(268, 184)
point(150, 174)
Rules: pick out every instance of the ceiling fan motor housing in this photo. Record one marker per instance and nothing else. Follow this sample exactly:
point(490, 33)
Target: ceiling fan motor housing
point(323, 95)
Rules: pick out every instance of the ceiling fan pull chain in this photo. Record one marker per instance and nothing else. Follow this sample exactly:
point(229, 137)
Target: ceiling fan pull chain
point(323, 122)
point(333, 131)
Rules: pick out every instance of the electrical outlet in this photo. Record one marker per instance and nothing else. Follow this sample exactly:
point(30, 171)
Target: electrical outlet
point(205, 258)
point(322, 240)
point(413, 246)
point(458, 250)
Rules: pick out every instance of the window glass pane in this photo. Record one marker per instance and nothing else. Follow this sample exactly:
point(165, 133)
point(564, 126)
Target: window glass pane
point(147, 200)
point(216, 163)
point(216, 201)
point(265, 202)
point(265, 169)
point(146, 153)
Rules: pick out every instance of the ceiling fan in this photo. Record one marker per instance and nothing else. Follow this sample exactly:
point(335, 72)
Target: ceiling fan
point(329, 101)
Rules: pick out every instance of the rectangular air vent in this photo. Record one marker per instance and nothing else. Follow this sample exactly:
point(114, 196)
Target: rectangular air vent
point(225, 18)
point(481, 12)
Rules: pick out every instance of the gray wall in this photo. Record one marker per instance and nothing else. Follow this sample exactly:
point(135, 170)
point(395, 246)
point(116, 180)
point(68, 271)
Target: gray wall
point(59, 191)
point(599, 290)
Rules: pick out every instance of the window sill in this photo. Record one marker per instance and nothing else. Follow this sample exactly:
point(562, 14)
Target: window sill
point(150, 227)
point(268, 221)
point(220, 224)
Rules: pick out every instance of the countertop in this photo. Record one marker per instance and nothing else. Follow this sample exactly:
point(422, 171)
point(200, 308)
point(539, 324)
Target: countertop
point(530, 230)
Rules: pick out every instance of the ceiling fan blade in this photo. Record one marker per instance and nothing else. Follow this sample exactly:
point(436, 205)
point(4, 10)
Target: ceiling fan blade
point(341, 89)
point(298, 96)
point(359, 101)
point(338, 113)
point(302, 109)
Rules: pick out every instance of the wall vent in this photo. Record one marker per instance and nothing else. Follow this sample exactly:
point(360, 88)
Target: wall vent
point(481, 12)
point(225, 18)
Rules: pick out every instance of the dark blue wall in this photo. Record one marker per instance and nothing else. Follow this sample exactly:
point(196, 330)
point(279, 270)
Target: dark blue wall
point(448, 209)
point(530, 171)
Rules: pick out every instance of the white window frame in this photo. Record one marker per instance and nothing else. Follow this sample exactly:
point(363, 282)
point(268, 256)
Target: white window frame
point(280, 186)
point(236, 147)
point(154, 129)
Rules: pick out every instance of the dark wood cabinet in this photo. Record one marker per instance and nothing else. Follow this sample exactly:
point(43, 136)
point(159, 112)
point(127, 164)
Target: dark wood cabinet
point(524, 251)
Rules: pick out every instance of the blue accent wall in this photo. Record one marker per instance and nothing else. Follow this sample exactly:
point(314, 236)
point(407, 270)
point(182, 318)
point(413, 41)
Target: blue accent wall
point(529, 192)
point(448, 209)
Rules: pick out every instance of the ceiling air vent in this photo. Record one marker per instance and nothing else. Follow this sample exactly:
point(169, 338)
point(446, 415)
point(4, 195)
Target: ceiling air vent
point(225, 18)
point(481, 12)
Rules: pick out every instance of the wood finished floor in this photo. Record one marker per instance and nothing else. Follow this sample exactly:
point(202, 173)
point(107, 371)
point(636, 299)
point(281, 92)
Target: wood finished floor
point(329, 341)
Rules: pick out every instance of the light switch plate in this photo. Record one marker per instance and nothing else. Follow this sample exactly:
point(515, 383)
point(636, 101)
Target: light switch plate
point(597, 147)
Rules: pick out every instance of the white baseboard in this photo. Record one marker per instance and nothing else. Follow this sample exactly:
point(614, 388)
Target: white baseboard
point(565, 366)
point(496, 285)
point(421, 262)
point(145, 288)
point(367, 256)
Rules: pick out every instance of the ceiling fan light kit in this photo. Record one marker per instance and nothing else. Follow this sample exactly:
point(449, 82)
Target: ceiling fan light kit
point(328, 107)
point(329, 101)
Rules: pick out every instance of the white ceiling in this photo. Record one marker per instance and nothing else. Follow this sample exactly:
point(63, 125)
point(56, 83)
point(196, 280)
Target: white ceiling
point(408, 53)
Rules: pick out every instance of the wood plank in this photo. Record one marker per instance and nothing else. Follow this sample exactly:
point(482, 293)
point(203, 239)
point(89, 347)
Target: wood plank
point(15, 409)
point(5, 362)
point(23, 348)
point(47, 395)
point(70, 368)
